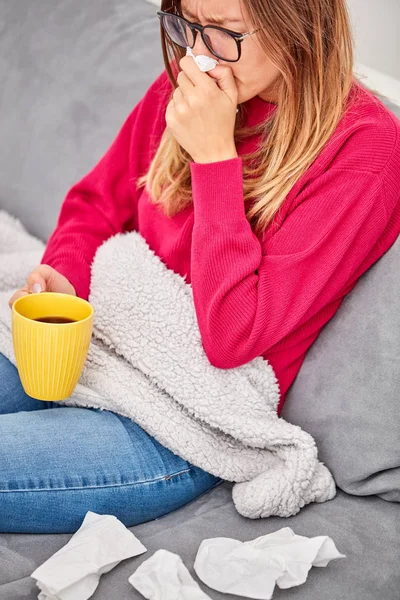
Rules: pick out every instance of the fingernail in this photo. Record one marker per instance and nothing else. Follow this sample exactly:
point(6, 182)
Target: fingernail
point(37, 288)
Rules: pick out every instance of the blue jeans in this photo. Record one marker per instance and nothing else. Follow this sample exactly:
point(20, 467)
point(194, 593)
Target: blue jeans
point(58, 462)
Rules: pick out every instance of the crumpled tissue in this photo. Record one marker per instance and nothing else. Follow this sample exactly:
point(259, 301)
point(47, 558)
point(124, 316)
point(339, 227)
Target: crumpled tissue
point(252, 569)
point(73, 573)
point(163, 576)
point(205, 63)
point(248, 569)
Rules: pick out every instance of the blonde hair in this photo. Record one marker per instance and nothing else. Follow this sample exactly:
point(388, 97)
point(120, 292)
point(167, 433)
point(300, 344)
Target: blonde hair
point(311, 43)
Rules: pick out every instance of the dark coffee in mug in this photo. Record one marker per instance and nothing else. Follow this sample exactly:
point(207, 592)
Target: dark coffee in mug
point(57, 320)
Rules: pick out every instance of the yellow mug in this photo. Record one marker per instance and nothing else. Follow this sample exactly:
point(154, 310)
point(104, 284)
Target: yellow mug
point(51, 337)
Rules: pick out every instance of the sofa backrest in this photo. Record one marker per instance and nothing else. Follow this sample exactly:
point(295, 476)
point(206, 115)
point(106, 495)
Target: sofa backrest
point(70, 73)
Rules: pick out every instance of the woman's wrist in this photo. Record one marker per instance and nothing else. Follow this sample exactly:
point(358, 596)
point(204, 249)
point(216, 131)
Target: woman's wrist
point(216, 157)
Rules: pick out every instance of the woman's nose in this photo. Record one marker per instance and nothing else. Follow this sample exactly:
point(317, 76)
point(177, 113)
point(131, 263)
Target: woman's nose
point(201, 48)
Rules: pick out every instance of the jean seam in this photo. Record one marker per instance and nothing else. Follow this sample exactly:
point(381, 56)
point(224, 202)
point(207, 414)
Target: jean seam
point(88, 487)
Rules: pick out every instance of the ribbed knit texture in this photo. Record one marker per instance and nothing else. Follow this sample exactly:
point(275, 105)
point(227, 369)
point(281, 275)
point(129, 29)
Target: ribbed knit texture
point(268, 296)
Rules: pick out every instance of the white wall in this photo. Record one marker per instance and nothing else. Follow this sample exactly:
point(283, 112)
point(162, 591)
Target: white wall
point(376, 25)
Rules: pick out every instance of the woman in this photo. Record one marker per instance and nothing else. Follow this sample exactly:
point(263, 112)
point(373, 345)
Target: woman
point(272, 213)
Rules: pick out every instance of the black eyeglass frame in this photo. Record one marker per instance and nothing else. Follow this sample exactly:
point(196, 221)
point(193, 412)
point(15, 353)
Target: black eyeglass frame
point(197, 28)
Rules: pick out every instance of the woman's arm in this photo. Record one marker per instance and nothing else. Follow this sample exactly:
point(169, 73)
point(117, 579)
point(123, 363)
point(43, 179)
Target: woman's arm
point(105, 200)
point(95, 208)
point(249, 297)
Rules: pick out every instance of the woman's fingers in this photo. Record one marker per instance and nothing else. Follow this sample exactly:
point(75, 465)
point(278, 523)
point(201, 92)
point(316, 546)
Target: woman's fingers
point(185, 84)
point(22, 292)
point(40, 279)
point(44, 279)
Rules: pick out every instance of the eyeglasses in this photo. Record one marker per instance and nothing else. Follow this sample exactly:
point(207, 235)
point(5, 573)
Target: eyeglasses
point(222, 43)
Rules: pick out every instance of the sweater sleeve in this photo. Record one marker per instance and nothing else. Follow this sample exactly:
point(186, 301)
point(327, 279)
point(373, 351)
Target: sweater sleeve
point(104, 202)
point(248, 296)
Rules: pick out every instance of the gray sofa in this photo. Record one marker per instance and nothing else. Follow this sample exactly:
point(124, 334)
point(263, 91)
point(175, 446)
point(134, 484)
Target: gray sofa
point(71, 72)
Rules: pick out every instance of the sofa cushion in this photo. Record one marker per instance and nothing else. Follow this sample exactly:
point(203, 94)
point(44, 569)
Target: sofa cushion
point(70, 72)
point(366, 530)
point(347, 392)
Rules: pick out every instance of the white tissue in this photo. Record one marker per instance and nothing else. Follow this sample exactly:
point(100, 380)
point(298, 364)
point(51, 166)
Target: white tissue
point(205, 63)
point(251, 569)
point(73, 573)
point(165, 577)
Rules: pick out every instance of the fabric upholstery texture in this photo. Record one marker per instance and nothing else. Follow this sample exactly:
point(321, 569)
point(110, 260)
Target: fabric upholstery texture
point(365, 529)
point(347, 392)
point(71, 73)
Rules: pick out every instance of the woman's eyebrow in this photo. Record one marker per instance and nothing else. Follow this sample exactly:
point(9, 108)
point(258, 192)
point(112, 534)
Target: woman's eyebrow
point(216, 20)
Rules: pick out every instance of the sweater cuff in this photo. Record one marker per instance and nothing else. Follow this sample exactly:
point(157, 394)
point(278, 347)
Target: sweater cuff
point(217, 190)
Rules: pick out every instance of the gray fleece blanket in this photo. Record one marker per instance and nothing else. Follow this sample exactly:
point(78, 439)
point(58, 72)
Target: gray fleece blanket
point(147, 362)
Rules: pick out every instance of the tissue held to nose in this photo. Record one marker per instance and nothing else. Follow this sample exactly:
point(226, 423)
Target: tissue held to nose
point(205, 63)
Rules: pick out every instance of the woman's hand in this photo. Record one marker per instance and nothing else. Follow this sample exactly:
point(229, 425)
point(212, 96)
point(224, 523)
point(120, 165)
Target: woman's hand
point(202, 115)
point(44, 279)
